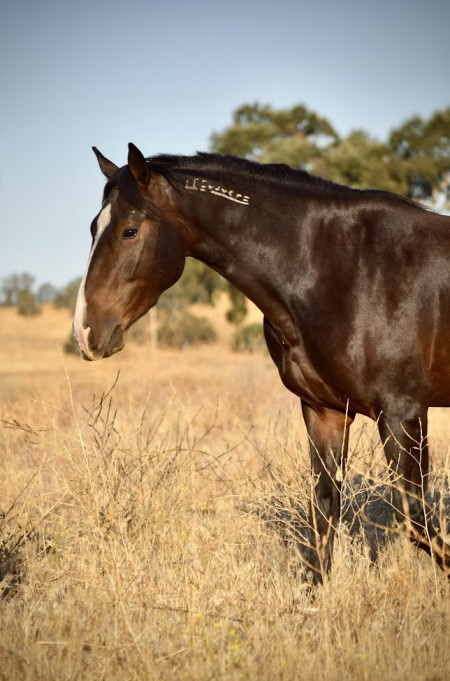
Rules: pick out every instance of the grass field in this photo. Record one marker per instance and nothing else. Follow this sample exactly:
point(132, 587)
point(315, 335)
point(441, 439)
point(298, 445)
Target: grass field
point(136, 535)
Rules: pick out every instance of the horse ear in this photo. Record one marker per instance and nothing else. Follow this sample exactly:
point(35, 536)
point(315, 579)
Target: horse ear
point(138, 165)
point(107, 167)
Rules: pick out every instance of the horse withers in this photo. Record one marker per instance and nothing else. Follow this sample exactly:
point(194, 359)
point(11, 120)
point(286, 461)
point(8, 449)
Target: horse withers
point(354, 286)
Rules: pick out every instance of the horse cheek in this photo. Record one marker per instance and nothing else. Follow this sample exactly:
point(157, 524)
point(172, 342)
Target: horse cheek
point(168, 260)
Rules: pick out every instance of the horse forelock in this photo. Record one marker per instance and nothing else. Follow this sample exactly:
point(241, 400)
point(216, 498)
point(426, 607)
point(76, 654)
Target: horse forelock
point(127, 187)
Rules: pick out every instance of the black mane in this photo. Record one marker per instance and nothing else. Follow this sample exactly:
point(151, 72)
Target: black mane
point(214, 165)
point(278, 176)
point(175, 168)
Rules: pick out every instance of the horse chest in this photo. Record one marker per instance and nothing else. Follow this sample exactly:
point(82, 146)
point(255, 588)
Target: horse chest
point(297, 372)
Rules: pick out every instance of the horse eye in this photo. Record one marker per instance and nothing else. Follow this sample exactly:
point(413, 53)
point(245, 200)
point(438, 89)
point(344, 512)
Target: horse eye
point(129, 233)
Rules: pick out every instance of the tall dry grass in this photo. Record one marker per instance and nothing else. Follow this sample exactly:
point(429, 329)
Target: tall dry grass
point(137, 534)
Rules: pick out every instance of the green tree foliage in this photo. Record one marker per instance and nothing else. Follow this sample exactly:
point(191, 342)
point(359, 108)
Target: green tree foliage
point(422, 148)
point(238, 309)
point(182, 328)
point(198, 284)
point(249, 339)
point(258, 132)
point(177, 327)
point(414, 161)
point(361, 161)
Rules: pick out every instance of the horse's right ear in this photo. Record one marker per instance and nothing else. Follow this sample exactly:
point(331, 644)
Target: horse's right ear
point(107, 167)
point(138, 165)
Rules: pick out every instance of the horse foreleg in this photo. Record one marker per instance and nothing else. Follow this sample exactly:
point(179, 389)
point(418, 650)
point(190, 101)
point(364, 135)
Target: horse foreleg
point(328, 431)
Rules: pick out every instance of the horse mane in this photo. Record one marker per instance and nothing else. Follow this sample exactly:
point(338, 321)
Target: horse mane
point(217, 165)
point(175, 168)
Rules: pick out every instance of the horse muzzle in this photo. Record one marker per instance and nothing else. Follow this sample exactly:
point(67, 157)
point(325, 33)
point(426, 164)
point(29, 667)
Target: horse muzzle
point(94, 347)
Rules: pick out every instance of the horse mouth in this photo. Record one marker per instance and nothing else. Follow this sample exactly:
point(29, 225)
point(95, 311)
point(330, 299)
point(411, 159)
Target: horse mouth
point(91, 350)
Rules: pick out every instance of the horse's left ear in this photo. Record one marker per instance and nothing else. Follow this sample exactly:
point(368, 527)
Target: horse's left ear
point(138, 165)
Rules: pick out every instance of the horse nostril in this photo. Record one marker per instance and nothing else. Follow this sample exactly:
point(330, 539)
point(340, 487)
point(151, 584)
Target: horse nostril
point(91, 340)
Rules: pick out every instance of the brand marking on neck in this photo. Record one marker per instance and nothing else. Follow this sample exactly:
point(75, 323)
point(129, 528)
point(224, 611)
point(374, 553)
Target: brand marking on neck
point(199, 184)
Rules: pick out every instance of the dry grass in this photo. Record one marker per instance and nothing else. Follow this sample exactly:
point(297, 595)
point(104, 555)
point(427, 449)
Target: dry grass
point(132, 546)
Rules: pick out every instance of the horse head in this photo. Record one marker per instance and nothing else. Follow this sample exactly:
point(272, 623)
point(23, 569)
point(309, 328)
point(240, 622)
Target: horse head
point(137, 253)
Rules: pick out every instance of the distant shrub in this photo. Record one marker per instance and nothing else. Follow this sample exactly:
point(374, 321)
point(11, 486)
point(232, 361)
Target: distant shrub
point(198, 284)
point(238, 309)
point(183, 329)
point(70, 347)
point(27, 304)
point(249, 338)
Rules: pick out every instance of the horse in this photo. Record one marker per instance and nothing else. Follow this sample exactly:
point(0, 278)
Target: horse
point(354, 286)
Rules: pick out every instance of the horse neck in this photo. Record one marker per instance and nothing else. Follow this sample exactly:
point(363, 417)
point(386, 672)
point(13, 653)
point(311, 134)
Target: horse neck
point(227, 232)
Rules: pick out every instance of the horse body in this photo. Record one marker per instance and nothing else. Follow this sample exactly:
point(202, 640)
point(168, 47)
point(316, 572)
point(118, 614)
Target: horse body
point(354, 287)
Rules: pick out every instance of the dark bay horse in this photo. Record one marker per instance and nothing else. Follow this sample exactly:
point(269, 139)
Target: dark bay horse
point(354, 286)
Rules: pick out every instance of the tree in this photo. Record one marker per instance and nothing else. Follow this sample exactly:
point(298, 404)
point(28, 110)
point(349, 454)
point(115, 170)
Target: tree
point(238, 310)
point(423, 149)
point(294, 136)
point(13, 285)
point(27, 304)
point(198, 284)
point(46, 293)
point(414, 161)
point(363, 162)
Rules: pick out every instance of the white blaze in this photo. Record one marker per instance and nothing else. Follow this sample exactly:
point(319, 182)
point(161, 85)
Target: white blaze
point(81, 332)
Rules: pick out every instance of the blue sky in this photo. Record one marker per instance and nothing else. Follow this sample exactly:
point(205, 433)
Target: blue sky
point(166, 74)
